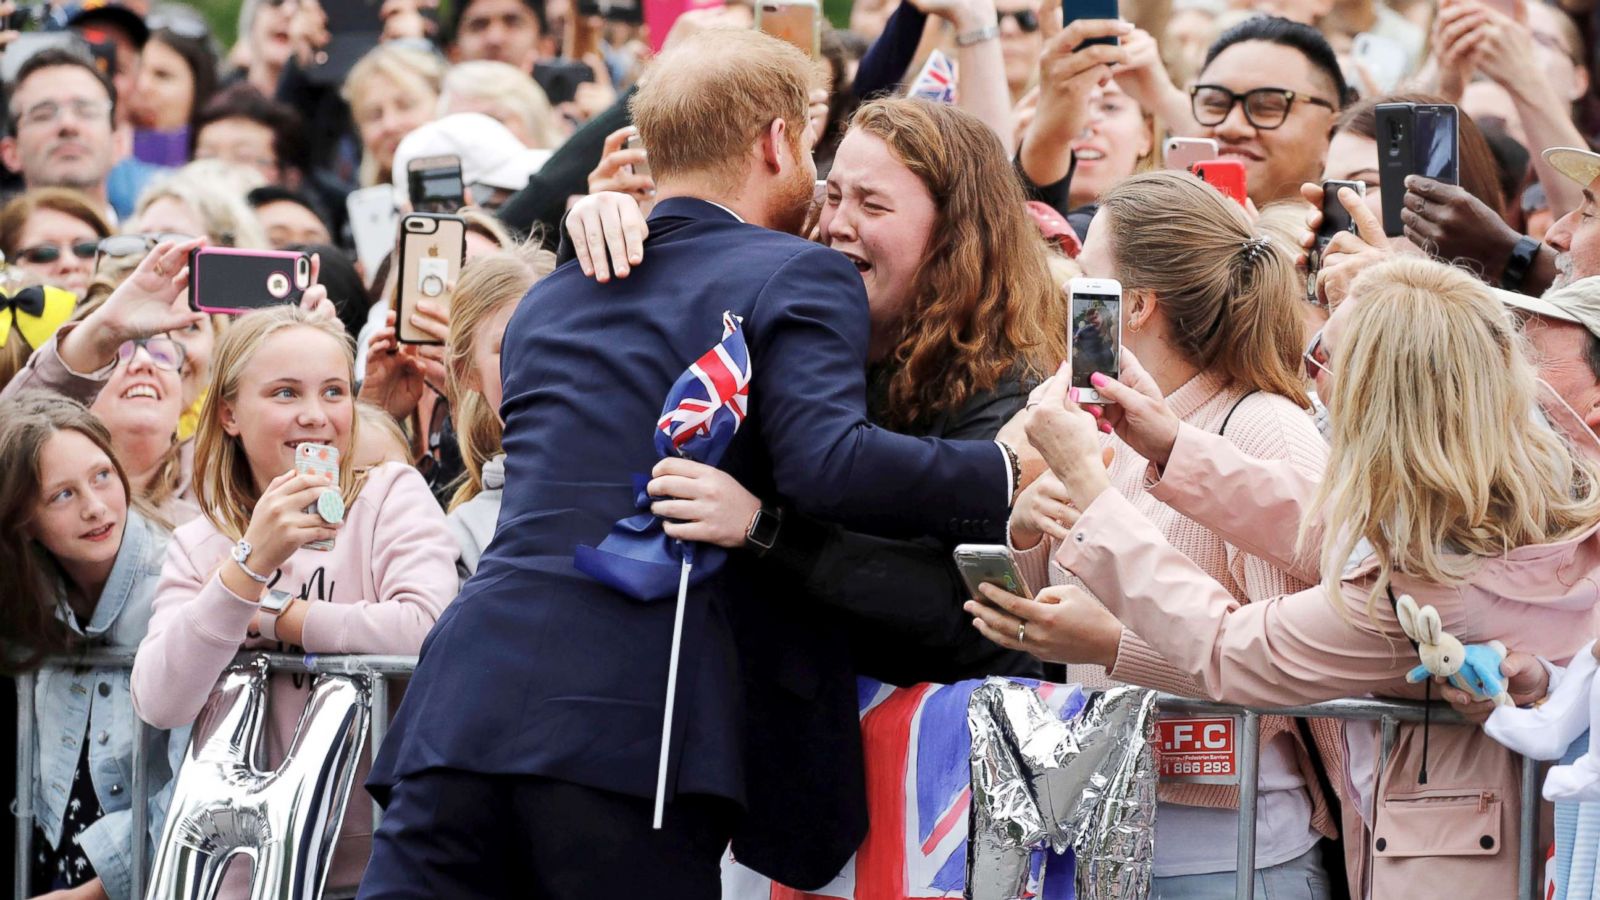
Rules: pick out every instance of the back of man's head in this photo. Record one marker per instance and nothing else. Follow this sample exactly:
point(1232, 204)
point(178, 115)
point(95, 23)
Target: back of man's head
point(710, 96)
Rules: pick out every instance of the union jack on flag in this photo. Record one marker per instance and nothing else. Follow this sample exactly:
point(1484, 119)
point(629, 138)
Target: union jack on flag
point(710, 399)
point(936, 81)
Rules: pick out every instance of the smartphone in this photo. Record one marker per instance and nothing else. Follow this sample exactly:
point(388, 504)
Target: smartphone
point(432, 248)
point(372, 224)
point(435, 184)
point(354, 27)
point(989, 564)
point(797, 21)
point(1182, 153)
point(1091, 9)
point(231, 281)
point(1096, 310)
point(1385, 59)
point(560, 78)
point(1414, 139)
point(320, 461)
point(1226, 175)
point(1335, 218)
point(637, 143)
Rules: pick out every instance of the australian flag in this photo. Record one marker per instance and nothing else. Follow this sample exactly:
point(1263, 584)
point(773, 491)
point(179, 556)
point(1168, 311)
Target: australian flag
point(704, 409)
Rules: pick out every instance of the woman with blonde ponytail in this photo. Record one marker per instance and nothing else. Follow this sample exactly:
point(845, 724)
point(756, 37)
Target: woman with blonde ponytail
point(1211, 306)
point(1442, 485)
point(486, 296)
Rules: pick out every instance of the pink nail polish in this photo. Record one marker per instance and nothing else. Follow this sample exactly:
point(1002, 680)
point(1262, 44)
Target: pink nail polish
point(1098, 380)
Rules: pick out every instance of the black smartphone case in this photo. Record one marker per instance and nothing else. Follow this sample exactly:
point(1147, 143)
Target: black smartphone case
point(1396, 159)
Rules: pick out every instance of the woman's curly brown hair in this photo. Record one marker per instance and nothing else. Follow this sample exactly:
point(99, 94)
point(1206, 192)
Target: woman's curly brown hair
point(983, 302)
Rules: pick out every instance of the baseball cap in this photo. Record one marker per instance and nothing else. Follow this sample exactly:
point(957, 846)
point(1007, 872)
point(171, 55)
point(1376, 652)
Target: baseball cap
point(108, 12)
point(1582, 166)
point(490, 154)
point(1578, 302)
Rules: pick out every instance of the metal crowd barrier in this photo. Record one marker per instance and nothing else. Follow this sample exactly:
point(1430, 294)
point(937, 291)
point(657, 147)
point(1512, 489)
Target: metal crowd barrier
point(1388, 713)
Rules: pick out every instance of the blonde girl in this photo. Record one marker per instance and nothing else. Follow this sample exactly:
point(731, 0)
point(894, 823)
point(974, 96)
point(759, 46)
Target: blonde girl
point(490, 289)
point(243, 576)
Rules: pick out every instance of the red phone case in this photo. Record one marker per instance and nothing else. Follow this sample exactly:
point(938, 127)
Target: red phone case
point(1226, 175)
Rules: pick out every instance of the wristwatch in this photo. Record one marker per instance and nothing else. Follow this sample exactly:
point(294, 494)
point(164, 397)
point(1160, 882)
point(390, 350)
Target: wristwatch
point(763, 530)
point(272, 605)
point(1521, 261)
point(241, 554)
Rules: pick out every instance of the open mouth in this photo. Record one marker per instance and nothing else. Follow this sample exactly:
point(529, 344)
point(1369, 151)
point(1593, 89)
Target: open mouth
point(141, 392)
point(861, 265)
point(99, 534)
point(1089, 154)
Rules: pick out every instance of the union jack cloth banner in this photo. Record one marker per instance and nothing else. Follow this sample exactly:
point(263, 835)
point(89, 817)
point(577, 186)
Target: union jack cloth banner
point(702, 412)
point(936, 81)
point(919, 777)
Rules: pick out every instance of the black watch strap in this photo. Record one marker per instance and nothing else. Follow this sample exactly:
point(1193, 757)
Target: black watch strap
point(1520, 264)
point(763, 531)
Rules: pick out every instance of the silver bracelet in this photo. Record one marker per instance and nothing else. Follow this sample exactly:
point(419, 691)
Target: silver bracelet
point(978, 35)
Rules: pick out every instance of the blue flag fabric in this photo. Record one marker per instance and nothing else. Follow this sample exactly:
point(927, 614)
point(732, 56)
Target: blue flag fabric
point(703, 411)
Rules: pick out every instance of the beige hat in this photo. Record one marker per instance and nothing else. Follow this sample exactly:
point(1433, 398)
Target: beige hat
point(1578, 302)
point(1582, 166)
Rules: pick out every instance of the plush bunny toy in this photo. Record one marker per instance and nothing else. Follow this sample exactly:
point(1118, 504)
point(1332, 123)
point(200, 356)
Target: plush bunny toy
point(1475, 669)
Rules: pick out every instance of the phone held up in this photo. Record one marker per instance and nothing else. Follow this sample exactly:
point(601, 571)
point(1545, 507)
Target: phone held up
point(435, 184)
point(1414, 139)
point(989, 564)
point(1226, 175)
point(231, 281)
point(1091, 9)
point(319, 461)
point(1096, 310)
point(1335, 218)
point(797, 21)
point(432, 249)
point(1182, 153)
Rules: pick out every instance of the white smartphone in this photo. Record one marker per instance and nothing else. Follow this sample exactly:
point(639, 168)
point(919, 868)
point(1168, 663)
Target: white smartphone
point(989, 564)
point(1180, 152)
point(1385, 59)
point(372, 224)
point(1096, 333)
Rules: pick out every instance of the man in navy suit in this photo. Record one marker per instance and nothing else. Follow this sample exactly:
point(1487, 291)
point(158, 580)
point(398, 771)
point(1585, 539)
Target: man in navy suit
point(523, 759)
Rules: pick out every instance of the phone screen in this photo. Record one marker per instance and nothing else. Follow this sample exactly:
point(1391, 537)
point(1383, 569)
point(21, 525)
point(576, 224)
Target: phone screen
point(1435, 143)
point(797, 23)
point(1096, 336)
point(436, 188)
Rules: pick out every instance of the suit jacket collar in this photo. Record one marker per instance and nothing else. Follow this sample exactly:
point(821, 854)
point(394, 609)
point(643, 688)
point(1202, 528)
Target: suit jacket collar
point(692, 208)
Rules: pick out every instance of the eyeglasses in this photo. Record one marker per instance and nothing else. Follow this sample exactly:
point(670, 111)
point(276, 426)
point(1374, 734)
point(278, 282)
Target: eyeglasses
point(1027, 20)
point(164, 353)
point(179, 21)
point(1265, 108)
point(44, 254)
point(120, 246)
point(47, 112)
point(1316, 357)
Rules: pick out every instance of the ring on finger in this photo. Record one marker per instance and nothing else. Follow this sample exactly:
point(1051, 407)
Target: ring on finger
point(1022, 632)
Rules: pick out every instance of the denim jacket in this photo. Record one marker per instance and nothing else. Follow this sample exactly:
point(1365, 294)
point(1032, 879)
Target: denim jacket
point(70, 704)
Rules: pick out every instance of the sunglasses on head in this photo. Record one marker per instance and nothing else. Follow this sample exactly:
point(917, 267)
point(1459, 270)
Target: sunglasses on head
point(44, 254)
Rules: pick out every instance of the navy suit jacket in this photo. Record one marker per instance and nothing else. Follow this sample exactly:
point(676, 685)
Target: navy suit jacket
point(538, 669)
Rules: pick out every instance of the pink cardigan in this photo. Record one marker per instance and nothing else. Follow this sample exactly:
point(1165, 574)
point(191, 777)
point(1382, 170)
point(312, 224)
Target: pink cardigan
point(389, 576)
point(1262, 425)
point(1451, 838)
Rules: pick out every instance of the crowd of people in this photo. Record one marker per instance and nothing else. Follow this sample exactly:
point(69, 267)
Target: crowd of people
point(1302, 429)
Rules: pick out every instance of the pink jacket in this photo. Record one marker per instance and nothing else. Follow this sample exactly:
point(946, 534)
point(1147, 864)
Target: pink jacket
point(1452, 838)
point(379, 590)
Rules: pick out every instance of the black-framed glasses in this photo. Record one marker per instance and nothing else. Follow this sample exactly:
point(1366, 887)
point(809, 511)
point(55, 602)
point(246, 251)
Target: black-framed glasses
point(1027, 20)
point(164, 353)
point(1265, 108)
point(44, 254)
point(1316, 357)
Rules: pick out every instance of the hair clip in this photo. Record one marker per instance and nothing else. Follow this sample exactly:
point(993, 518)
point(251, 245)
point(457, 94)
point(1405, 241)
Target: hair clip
point(1252, 248)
